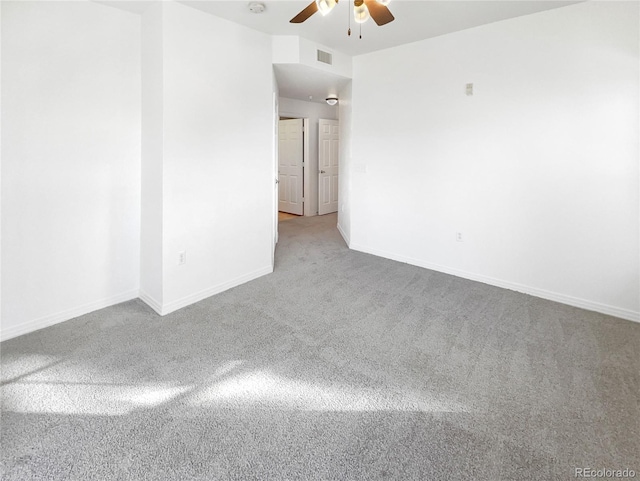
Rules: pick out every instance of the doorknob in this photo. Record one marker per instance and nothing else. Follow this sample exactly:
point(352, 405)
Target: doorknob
point(322, 172)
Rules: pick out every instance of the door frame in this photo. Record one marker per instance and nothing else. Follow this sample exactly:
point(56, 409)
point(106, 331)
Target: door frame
point(306, 170)
point(274, 222)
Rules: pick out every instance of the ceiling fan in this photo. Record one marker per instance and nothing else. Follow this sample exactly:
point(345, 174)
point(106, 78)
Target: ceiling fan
point(362, 10)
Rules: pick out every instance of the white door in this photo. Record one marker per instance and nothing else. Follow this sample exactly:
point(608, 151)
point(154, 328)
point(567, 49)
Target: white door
point(290, 154)
point(328, 144)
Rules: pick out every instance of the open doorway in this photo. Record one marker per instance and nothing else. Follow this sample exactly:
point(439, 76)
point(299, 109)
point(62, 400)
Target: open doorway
point(303, 91)
point(313, 112)
point(301, 189)
point(289, 189)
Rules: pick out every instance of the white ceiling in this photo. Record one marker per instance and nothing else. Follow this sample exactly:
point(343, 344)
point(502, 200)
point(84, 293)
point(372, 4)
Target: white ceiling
point(307, 83)
point(414, 19)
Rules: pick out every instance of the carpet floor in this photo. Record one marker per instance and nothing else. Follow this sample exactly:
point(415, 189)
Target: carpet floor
point(338, 366)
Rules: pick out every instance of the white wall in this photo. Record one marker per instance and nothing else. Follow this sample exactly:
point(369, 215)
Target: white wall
point(291, 49)
point(152, 178)
point(0, 171)
point(91, 223)
point(70, 160)
point(346, 163)
point(341, 64)
point(218, 155)
point(285, 49)
point(538, 170)
point(313, 111)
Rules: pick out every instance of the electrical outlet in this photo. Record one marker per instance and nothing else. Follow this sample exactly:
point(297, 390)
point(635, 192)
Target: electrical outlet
point(182, 257)
point(459, 236)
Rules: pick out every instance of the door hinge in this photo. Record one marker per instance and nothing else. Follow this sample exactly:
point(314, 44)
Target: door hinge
point(303, 199)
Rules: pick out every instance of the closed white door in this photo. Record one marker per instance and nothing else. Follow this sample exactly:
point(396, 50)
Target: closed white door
point(290, 155)
point(329, 146)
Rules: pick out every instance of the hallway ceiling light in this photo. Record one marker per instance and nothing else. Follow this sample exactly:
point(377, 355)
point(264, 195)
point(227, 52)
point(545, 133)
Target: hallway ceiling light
point(332, 100)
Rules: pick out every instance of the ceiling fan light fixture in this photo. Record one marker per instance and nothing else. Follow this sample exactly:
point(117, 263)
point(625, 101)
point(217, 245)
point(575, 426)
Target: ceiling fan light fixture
point(325, 6)
point(360, 11)
point(332, 100)
point(384, 2)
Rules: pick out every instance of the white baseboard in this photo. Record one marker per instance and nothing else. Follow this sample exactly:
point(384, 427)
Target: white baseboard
point(198, 296)
point(50, 320)
point(514, 286)
point(344, 235)
point(151, 302)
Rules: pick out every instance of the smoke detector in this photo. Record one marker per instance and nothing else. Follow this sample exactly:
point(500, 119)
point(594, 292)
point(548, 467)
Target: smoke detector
point(256, 7)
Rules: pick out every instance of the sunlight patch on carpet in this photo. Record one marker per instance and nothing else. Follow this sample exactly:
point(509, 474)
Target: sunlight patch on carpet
point(265, 389)
point(85, 398)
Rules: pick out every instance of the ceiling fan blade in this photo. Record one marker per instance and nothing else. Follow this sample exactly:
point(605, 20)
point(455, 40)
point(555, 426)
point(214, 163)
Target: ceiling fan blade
point(306, 13)
point(380, 14)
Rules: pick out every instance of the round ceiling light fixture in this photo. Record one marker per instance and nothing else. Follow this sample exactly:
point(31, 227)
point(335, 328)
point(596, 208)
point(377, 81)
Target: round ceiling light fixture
point(256, 7)
point(332, 100)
